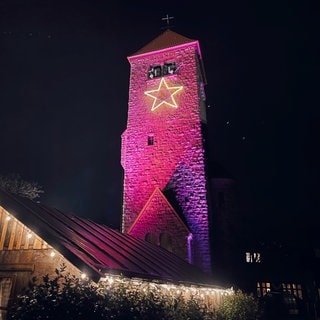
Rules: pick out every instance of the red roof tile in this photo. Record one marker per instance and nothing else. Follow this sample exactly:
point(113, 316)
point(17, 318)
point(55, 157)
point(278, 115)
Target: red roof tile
point(165, 40)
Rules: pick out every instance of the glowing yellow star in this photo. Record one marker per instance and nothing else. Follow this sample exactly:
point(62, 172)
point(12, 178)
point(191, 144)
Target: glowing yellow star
point(163, 95)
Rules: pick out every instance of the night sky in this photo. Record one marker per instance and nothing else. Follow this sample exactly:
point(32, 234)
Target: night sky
point(64, 80)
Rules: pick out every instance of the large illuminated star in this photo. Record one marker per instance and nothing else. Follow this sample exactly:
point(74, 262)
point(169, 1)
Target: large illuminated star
point(164, 95)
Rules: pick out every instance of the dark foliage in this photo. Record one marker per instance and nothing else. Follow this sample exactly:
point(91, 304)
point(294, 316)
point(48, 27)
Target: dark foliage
point(66, 297)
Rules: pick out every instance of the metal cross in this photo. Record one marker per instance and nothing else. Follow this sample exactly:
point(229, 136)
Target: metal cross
point(167, 18)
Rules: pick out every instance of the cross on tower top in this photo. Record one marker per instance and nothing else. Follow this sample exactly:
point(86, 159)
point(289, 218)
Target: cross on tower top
point(167, 19)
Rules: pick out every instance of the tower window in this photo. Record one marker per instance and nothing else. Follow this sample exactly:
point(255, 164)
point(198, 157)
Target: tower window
point(263, 288)
point(253, 257)
point(151, 237)
point(169, 68)
point(293, 288)
point(150, 140)
point(154, 72)
point(166, 241)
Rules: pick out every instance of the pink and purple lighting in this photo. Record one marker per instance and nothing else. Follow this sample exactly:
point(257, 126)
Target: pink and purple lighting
point(172, 161)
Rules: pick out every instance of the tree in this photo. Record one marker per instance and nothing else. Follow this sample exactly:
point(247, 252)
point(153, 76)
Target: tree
point(13, 183)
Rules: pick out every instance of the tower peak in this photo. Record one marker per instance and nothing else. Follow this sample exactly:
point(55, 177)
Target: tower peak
point(167, 39)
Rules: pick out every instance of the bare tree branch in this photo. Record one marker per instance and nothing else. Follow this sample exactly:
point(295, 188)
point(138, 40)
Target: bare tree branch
point(13, 183)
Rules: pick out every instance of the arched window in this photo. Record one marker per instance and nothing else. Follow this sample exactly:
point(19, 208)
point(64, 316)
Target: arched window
point(166, 241)
point(151, 237)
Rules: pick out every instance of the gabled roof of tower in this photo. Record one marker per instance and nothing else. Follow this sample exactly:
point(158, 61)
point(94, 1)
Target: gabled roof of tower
point(97, 248)
point(165, 40)
point(158, 195)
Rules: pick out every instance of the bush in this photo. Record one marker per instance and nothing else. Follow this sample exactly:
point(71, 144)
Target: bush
point(237, 307)
point(66, 297)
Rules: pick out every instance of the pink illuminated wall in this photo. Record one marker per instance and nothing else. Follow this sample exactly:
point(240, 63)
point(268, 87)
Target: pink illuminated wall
point(162, 147)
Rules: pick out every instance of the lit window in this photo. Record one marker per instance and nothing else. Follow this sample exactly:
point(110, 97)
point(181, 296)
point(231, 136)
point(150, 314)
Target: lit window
point(253, 257)
point(256, 257)
point(293, 288)
point(154, 72)
point(262, 288)
point(169, 68)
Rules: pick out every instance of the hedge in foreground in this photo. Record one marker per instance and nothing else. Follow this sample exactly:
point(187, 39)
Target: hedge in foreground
point(239, 306)
point(66, 297)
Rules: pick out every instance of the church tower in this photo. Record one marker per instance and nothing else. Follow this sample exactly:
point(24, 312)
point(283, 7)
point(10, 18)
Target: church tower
point(165, 196)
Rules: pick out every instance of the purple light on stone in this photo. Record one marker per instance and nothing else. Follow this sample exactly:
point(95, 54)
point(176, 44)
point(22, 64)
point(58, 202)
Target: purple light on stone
point(172, 161)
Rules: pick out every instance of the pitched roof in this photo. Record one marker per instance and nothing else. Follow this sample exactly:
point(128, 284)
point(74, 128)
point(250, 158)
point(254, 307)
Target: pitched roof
point(97, 248)
point(165, 40)
point(158, 196)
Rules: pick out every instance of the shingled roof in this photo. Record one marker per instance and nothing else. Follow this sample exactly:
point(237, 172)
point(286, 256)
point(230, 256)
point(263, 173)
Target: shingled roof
point(98, 248)
point(165, 40)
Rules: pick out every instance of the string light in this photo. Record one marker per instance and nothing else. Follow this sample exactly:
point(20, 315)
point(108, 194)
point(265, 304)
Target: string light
point(208, 295)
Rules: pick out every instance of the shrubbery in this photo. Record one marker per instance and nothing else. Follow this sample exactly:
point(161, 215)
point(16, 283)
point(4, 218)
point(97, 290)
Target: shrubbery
point(239, 306)
point(66, 297)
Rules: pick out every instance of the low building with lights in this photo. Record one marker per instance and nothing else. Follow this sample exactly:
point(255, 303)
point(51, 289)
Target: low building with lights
point(35, 240)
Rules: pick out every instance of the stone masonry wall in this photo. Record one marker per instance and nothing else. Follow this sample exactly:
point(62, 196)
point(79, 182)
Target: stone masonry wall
point(176, 158)
point(158, 218)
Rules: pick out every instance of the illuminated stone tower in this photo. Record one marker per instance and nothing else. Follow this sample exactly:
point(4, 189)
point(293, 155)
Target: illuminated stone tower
point(163, 154)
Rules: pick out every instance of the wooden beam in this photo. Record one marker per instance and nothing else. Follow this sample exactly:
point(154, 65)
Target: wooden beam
point(17, 267)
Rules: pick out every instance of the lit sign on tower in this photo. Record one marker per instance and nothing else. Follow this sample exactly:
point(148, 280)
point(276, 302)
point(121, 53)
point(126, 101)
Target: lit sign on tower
point(163, 95)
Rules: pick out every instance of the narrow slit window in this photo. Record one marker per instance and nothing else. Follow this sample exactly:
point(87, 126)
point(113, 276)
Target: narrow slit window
point(150, 140)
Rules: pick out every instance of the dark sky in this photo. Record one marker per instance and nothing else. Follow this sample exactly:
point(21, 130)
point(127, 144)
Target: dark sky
point(64, 79)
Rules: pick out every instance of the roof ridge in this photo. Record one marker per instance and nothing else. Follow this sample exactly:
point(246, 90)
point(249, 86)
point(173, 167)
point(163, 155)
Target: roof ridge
point(166, 39)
